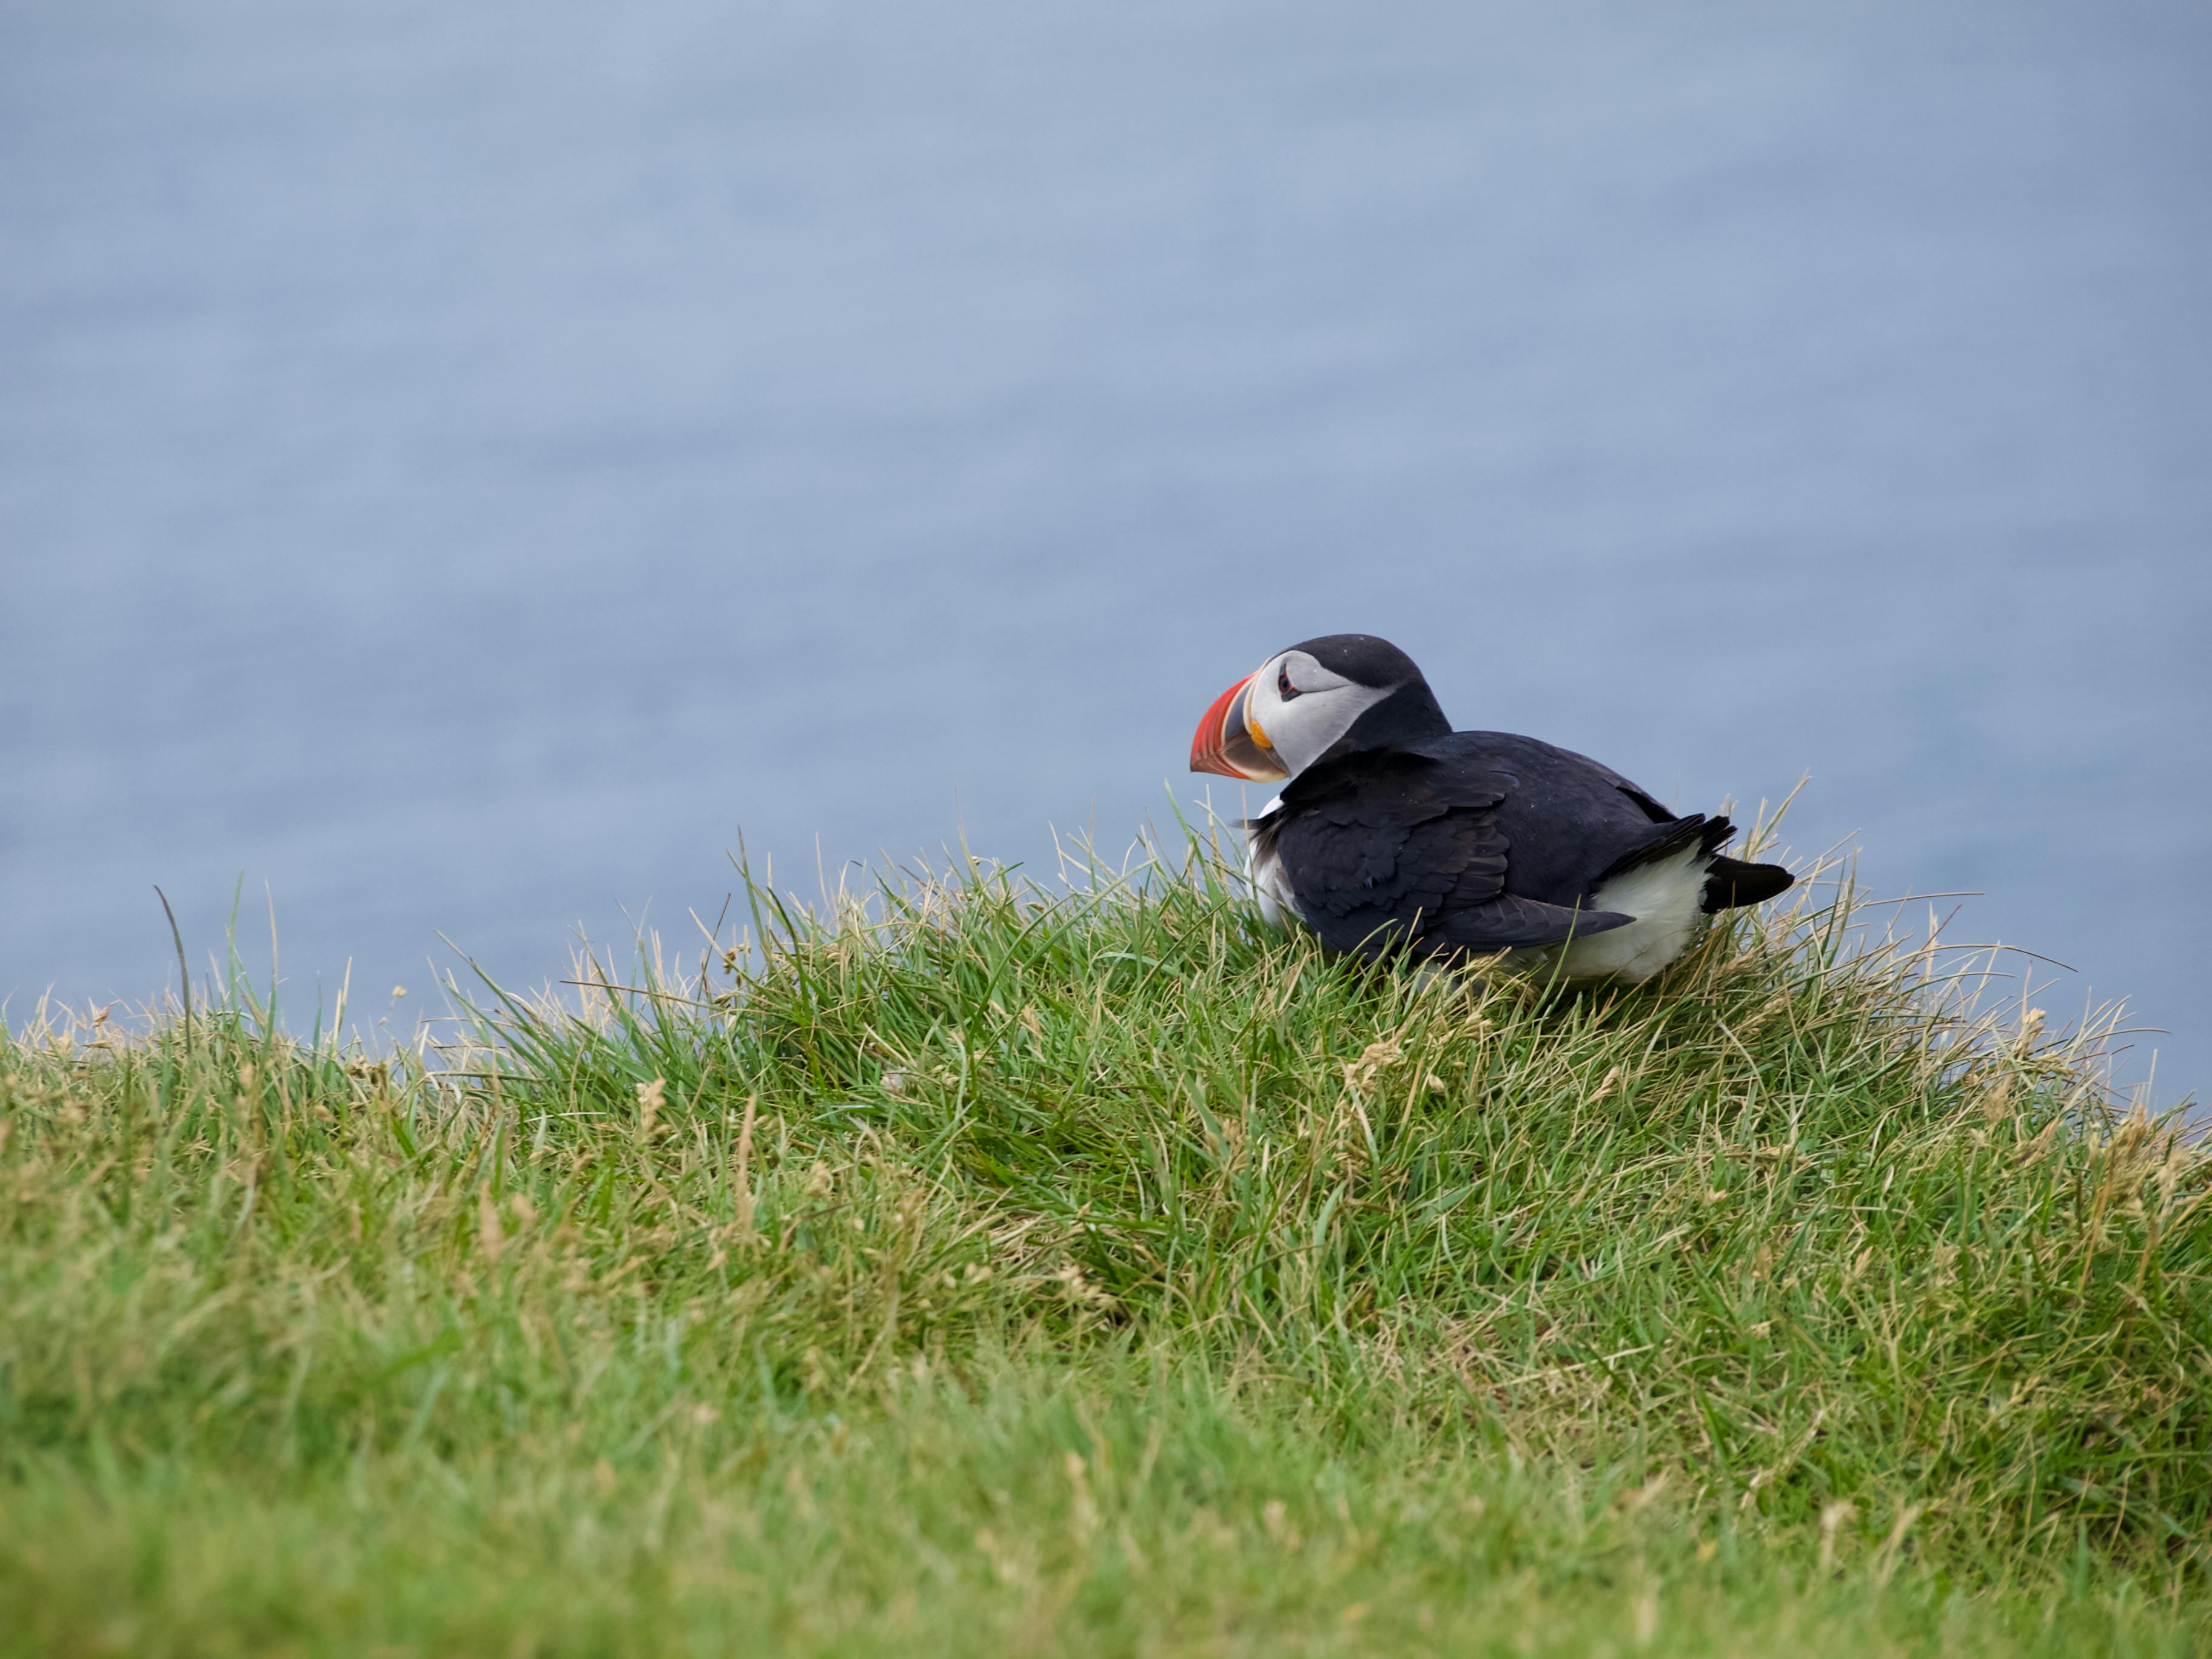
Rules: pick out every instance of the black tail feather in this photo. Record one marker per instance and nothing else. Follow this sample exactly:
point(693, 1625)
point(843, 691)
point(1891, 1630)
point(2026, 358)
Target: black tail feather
point(1708, 834)
point(1728, 882)
point(1731, 882)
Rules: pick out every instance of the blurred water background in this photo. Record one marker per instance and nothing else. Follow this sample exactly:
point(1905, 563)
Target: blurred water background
point(461, 465)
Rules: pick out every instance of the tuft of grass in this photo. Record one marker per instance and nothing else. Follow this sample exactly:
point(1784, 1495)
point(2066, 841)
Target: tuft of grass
point(971, 1269)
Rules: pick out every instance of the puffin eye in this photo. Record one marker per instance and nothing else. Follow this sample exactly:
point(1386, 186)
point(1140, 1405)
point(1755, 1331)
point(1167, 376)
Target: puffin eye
point(1283, 689)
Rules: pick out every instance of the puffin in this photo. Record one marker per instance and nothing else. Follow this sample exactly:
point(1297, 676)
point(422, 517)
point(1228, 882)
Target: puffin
point(1396, 836)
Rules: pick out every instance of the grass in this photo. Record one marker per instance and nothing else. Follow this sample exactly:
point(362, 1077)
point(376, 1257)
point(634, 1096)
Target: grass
point(970, 1272)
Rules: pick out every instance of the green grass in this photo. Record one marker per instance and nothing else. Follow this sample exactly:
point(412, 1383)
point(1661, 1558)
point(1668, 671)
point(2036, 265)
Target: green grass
point(969, 1274)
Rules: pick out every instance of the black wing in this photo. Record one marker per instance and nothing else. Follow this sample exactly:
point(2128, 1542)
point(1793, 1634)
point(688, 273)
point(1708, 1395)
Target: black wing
point(1404, 853)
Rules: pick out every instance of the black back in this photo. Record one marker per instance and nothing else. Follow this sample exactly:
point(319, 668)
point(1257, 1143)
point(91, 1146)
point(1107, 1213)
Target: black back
point(1472, 842)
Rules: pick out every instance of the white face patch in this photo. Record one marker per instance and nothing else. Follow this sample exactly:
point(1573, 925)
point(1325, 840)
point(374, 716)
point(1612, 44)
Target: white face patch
point(1299, 708)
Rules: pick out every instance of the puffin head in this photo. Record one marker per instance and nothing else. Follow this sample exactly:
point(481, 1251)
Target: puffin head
point(1321, 699)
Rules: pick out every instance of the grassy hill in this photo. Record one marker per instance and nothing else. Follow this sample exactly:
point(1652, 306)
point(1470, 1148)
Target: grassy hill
point(970, 1273)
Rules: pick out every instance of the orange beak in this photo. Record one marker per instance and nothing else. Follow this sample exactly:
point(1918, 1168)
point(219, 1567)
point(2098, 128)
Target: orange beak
point(1225, 744)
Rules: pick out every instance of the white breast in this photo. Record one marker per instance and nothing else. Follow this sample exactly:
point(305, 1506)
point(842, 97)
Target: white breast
point(1269, 884)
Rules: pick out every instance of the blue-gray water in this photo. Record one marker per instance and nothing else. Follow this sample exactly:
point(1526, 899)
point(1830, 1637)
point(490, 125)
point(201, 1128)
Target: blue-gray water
point(460, 465)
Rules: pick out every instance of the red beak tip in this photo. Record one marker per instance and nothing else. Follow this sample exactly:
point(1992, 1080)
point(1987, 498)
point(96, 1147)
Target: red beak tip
point(1208, 745)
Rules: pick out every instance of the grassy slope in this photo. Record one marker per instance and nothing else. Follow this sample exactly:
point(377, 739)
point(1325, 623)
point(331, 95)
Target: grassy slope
point(1107, 1277)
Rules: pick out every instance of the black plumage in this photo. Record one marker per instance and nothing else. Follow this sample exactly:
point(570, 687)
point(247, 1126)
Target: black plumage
point(1406, 836)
